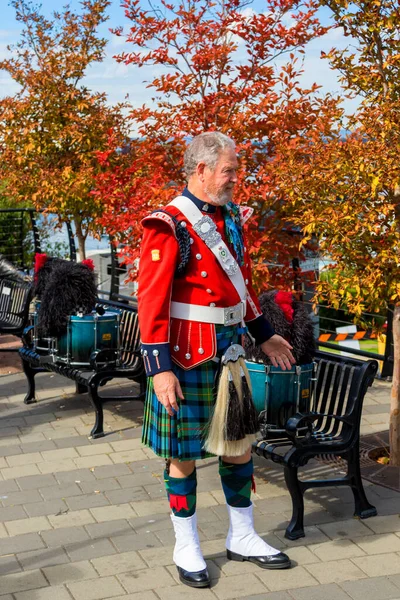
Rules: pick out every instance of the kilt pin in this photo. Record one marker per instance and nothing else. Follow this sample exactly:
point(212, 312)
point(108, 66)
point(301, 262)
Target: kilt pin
point(187, 322)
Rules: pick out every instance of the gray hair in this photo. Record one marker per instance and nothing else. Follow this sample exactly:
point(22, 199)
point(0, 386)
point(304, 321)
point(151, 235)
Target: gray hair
point(205, 148)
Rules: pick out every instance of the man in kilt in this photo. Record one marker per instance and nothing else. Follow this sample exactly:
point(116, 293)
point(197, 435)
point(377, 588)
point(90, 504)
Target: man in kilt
point(195, 301)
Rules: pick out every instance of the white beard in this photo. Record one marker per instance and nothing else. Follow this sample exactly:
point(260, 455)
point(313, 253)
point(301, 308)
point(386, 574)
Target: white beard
point(221, 200)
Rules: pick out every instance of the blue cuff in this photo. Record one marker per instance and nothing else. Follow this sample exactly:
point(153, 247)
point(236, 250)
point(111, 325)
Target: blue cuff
point(260, 329)
point(156, 358)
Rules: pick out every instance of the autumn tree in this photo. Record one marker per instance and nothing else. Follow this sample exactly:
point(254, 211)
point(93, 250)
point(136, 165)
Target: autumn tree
point(349, 184)
point(220, 66)
point(52, 128)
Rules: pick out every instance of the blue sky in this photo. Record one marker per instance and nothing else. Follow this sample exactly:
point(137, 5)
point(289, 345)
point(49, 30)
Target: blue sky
point(118, 80)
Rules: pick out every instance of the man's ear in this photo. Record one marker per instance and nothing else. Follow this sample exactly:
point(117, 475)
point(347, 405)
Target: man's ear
point(200, 171)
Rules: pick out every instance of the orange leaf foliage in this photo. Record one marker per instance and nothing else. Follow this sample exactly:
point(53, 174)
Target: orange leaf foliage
point(51, 130)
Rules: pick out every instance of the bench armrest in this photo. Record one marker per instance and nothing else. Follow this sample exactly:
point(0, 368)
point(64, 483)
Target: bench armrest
point(304, 422)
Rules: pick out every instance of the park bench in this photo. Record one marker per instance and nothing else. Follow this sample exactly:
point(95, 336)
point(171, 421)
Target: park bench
point(15, 298)
point(332, 429)
point(88, 380)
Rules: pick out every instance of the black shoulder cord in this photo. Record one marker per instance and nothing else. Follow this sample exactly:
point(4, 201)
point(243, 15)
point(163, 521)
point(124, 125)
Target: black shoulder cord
point(183, 238)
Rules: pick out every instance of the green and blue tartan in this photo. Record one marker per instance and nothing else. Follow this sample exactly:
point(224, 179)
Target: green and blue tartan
point(182, 435)
point(181, 492)
point(237, 481)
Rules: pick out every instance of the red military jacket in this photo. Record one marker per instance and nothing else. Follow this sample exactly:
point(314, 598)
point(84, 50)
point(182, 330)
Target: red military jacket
point(188, 343)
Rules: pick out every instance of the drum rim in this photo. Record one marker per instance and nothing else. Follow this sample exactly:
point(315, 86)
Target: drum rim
point(82, 319)
point(279, 371)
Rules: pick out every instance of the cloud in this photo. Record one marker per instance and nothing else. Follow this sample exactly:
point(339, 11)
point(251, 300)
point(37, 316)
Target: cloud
point(4, 52)
point(108, 69)
point(117, 42)
point(7, 84)
point(9, 34)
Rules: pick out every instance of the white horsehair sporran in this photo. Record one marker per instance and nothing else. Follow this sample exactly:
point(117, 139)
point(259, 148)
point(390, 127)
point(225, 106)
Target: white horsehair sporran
point(234, 422)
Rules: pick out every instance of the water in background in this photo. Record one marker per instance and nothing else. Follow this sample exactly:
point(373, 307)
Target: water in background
point(56, 238)
point(95, 244)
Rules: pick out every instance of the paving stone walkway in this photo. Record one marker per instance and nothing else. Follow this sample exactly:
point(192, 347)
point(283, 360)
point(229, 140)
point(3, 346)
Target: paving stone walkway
point(85, 519)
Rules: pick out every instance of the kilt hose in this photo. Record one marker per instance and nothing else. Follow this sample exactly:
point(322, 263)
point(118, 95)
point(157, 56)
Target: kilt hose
point(182, 435)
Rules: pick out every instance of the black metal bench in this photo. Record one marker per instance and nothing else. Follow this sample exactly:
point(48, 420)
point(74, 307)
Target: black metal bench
point(332, 429)
point(130, 366)
point(15, 298)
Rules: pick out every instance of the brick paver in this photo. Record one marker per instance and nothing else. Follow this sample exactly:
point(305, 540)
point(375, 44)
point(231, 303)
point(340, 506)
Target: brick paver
point(53, 593)
point(373, 587)
point(96, 589)
point(85, 519)
point(338, 570)
point(70, 572)
point(135, 581)
point(17, 582)
point(36, 559)
point(64, 536)
point(139, 596)
point(322, 592)
point(89, 550)
point(237, 587)
point(20, 543)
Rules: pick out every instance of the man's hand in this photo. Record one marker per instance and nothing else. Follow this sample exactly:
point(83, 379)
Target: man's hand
point(278, 351)
point(167, 388)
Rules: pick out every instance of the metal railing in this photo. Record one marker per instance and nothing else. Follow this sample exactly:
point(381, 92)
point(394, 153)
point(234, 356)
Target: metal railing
point(20, 240)
point(330, 319)
point(19, 237)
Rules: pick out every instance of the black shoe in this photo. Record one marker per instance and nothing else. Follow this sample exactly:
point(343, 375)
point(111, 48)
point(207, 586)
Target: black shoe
point(198, 579)
point(275, 561)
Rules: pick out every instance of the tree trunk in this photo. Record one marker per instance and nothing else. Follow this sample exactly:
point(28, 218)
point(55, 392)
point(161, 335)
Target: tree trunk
point(81, 239)
point(394, 431)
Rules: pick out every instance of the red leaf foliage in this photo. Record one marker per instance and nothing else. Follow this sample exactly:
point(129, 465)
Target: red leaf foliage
point(220, 66)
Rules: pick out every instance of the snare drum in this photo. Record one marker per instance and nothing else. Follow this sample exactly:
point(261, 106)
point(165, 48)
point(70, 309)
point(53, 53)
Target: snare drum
point(278, 394)
point(86, 336)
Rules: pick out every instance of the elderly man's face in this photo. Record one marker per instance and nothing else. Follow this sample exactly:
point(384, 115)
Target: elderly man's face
point(219, 184)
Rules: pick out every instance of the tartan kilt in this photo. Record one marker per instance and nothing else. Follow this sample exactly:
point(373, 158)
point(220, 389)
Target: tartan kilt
point(182, 435)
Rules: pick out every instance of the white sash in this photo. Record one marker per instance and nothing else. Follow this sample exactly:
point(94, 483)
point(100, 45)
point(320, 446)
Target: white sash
point(206, 229)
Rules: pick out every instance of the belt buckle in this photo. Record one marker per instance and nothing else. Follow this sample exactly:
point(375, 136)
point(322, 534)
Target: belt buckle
point(232, 315)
